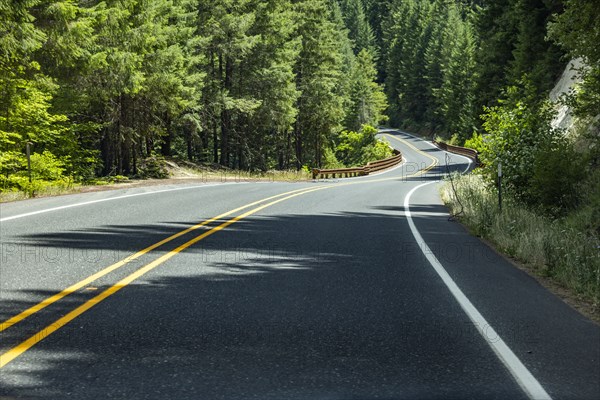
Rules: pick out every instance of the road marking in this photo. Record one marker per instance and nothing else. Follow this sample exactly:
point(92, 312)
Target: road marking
point(85, 282)
point(435, 160)
point(16, 351)
point(85, 203)
point(79, 285)
point(90, 279)
point(469, 161)
point(430, 144)
point(520, 373)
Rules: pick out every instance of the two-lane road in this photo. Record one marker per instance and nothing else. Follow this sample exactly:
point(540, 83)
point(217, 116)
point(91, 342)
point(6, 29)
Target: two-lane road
point(351, 289)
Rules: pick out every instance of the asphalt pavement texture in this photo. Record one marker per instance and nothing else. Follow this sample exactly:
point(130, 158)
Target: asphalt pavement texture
point(324, 295)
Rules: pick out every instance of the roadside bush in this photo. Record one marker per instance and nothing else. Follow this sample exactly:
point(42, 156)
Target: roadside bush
point(540, 166)
point(556, 175)
point(47, 173)
point(330, 161)
point(358, 148)
point(153, 168)
point(587, 217)
point(476, 143)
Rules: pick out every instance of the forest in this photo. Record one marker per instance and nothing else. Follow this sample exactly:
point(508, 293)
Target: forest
point(98, 88)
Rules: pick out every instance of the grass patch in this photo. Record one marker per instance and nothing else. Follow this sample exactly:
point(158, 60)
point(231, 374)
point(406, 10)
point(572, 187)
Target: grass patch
point(557, 249)
point(182, 169)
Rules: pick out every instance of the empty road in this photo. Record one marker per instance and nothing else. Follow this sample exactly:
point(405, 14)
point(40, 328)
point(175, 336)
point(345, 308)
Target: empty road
point(356, 288)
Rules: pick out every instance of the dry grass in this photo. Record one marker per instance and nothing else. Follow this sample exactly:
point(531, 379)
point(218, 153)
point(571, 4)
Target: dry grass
point(177, 174)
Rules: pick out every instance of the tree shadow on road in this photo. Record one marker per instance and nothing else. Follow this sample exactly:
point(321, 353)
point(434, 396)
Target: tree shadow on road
point(290, 306)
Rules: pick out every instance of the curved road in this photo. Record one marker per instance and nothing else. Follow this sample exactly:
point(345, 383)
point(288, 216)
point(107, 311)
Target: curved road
point(352, 289)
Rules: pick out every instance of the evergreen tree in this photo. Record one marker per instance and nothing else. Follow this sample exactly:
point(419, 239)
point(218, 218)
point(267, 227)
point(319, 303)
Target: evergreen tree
point(577, 30)
point(227, 26)
point(367, 99)
point(271, 80)
point(359, 29)
point(497, 32)
point(456, 93)
point(318, 76)
point(407, 36)
point(533, 55)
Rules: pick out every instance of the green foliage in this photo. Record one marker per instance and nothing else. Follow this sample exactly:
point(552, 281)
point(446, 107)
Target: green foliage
point(153, 167)
point(540, 167)
point(359, 28)
point(367, 99)
point(512, 42)
point(556, 176)
point(101, 87)
point(330, 161)
point(319, 78)
point(358, 148)
point(250, 84)
point(586, 218)
point(46, 166)
point(430, 66)
point(47, 171)
point(476, 142)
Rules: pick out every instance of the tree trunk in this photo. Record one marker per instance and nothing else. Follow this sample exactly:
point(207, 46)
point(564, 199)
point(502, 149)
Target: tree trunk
point(215, 143)
point(165, 148)
point(225, 114)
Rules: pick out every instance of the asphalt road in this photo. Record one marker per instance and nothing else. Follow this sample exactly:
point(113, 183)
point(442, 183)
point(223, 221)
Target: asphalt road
point(343, 289)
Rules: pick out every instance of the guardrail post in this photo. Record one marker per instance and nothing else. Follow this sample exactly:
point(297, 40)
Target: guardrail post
point(28, 151)
point(500, 186)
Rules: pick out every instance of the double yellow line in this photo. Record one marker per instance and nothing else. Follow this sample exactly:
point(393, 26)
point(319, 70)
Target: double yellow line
point(435, 161)
point(16, 351)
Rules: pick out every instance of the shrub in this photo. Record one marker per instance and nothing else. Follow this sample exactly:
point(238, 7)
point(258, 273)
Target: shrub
point(153, 168)
point(540, 167)
point(358, 148)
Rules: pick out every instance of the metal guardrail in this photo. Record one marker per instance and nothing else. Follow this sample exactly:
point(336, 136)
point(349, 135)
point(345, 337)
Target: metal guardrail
point(463, 151)
point(373, 166)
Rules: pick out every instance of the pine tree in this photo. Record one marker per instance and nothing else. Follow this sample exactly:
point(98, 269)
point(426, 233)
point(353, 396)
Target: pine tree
point(367, 99)
point(359, 29)
point(227, 26)
point(318, 75)
point(533, 55)
point(270, 79)
point(496, 30)
point(408, 36)
point(456, 94)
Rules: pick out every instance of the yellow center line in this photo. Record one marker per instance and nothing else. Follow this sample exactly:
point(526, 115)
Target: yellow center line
point(435, 160)
point(81, 284)
point(16, 351)
point(434, 163)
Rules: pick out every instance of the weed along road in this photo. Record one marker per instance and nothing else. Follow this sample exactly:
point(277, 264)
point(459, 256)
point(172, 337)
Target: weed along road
point(357, 288)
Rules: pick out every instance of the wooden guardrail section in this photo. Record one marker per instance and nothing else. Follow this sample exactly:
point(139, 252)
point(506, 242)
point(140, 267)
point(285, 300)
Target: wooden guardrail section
point(373, 166)
point(463, 151)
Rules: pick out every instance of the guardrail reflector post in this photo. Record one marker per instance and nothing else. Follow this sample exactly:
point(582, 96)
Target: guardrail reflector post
point(500, 186)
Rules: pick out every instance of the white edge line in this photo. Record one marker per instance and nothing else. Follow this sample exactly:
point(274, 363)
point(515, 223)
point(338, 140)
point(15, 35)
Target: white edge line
point(520, 373)
point(114, 198)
